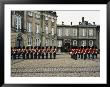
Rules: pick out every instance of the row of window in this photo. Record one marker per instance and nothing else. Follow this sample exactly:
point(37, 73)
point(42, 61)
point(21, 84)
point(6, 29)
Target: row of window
point(75, 43)
point(29, 28)
point(38, 42)
point(16, 21)
point(82, 32)
point(38, 16)
point(30, 42)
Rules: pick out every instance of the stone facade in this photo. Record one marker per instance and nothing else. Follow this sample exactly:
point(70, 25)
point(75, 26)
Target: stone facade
point(40, 28)
point(84, 34)
point(33, 28)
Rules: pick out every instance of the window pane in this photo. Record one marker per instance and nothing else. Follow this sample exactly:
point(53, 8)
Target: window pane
point(90, 32)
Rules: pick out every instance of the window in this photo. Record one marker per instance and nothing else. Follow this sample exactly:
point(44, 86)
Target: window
point(18, 22)
point(59, 32)
point(74, 43)
point(29, 27)
point(37, 28)
point(91, 43)
point(29, 13)
point(29, 41)
point(46, 28)
point(52, 31)
point(66, 32)
point(37, 42)
point(84, 32)
point(83, 43)
point(59, 43)
point(90, 32)
point(74, 32)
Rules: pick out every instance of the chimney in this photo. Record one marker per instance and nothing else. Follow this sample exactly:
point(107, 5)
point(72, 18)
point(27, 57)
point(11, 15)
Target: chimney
point(62, 23)
point(71, 23)
point(93, 23)
point(86, 22)
point(82, 19)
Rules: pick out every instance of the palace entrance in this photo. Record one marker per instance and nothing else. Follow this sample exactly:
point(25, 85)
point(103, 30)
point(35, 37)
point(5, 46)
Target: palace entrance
point(19, 41)
point(66, 45)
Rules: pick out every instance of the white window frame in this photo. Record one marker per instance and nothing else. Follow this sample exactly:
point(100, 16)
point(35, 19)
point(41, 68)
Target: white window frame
point(37, 28)
point(29, 27)
point(91, 32)
point(91, 44)
point(74, 42)
point(29, 41)
point(59, 43)
point(59, 32)
point(74, 32)
point(17, 22)
point(83, 43)
point(84, 32)
point(67, 32)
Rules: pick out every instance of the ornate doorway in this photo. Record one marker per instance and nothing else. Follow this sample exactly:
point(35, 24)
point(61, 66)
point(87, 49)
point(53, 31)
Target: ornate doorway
point(19, 41)
point(66, 45)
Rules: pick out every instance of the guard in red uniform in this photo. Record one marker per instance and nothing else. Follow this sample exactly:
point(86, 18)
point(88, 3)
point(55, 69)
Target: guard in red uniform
point(51, 52)
point(39, 53)
point(54, 53)
point(82, 53)
point(42, 52)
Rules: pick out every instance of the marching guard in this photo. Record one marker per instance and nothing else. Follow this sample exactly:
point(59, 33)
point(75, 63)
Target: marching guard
point(23, 53)
point(35, 53)
point(51, 51)
point(39, 53)
point(46, 52)
point(54, 53)
point(19, 53)
point(31, 53)
point(42, 52)
point(27, 53)
point(14, 53)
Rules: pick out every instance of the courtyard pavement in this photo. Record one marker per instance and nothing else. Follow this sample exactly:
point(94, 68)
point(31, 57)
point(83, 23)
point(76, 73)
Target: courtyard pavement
point(62, 66)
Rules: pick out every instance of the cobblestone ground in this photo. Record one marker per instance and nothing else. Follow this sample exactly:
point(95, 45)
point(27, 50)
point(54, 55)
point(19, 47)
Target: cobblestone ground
point(62, 66)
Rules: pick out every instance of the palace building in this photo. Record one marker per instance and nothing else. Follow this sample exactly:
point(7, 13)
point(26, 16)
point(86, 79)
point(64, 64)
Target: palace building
point(84, 34)
point(33, 28)
point(40, 28)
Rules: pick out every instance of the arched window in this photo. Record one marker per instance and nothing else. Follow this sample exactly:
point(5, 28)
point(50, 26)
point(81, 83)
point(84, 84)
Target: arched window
point(91, 43)
point(74, 42)
point(83, 43)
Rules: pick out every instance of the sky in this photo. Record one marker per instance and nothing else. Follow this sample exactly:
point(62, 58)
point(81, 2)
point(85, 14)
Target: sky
point(76, 16)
